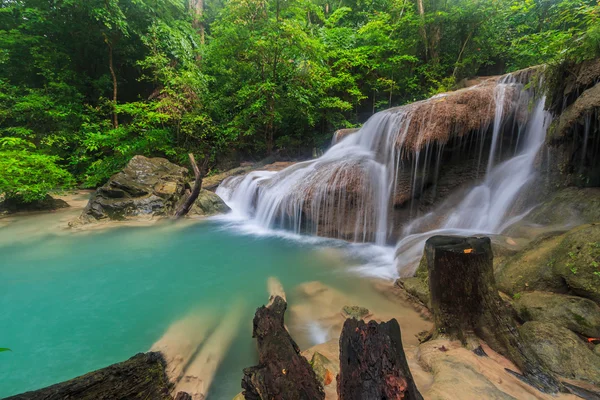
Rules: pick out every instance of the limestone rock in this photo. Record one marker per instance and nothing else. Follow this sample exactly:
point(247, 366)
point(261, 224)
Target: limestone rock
point(562, 351)
point(147, 187)
point(575, 313)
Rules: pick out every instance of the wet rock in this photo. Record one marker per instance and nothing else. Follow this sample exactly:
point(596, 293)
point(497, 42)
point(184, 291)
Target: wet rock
point(141, 377)
point(575, 313)
point(207, 204)
point(568, 206)
point(597, 350)
point(562, 351)
point(49, 203)
point(355, 312)
point(147, 187)
point(585, 105)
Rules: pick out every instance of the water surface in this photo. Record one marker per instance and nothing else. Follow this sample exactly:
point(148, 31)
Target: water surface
point(71, 303)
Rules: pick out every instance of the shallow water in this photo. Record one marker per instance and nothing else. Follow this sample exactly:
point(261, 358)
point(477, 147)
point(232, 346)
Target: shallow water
point(71, 302)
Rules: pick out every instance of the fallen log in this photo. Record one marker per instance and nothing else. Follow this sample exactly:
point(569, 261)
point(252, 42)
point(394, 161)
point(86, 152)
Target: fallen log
point(185, 207)
point(465, 304)
point(373, 364)
point(282, 373)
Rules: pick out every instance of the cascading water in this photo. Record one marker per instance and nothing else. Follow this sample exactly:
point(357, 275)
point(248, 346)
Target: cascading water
point(350, 192)
point(487, 208)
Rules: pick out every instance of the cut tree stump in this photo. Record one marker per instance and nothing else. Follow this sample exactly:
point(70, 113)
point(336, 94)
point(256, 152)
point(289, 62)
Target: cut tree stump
point(373, 364)
point(465, 303)
point(282, 373)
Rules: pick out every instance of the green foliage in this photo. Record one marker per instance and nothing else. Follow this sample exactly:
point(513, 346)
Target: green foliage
point(86, 84)
point(27, 175)
point(4, 349)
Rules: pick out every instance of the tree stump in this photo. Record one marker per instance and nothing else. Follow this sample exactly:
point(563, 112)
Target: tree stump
point(465, 303)
point(282, 373)
point(373, 364)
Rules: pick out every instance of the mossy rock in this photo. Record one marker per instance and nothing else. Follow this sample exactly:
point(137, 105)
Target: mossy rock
point(355, 312)
point(575, 313)
point(416, 287)
point(531, 269)
point(577, 260)
point(568, 206)
point(324, 368)
point(239, 396)
point(562, 351)
point(597, 350)
point(48, 203)
point(208, 203)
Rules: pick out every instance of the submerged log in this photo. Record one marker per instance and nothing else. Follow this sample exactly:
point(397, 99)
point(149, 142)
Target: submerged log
point(191, 198)
point(373, 364)
point(282, 373)
point(141, 377)
point(465, 304)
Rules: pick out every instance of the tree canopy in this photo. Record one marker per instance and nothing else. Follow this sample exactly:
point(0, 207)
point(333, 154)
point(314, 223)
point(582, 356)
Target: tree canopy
point(86, 84)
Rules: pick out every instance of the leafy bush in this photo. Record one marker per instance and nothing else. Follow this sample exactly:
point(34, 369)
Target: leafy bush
point(27, 175)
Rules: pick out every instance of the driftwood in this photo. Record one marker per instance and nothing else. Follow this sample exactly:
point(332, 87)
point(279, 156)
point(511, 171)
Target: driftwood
point(282, 373)
point(465, 304)
point(141, 377)
point(373, 364)
point(193, 195)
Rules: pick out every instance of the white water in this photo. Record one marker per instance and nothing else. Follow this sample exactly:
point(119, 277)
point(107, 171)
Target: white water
point(347, 193)
point(487, 208)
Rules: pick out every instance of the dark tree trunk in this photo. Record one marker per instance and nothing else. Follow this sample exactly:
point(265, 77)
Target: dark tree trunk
point(140, 377)
point(465, 303)
point(282, 373)
point(189, 202)
point(373, 364)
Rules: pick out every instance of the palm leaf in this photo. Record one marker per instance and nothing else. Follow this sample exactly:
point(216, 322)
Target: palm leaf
point(4, 349)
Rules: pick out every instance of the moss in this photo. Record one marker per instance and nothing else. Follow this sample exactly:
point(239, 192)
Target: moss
point(355, 312)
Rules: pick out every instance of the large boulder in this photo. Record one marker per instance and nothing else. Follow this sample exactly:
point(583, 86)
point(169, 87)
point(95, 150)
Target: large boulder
point(147, 187)
point(562, 351)
point(575, 313)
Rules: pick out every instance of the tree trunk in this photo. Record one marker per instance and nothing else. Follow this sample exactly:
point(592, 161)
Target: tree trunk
point(423, 29)
point(373, 364)
point(465, 302)
point(187, 204)
point(198, 12)
point(141, 377)
point(113, 74)
point(282, 373)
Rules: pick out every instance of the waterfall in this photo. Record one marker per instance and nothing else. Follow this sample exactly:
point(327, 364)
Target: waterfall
point(487, 207)
point(351, 192)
